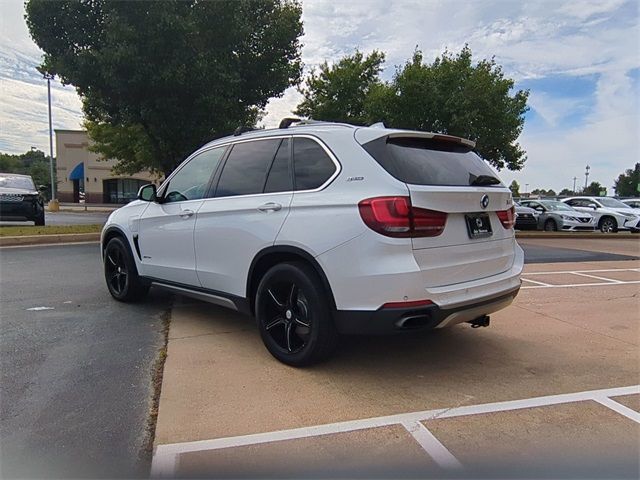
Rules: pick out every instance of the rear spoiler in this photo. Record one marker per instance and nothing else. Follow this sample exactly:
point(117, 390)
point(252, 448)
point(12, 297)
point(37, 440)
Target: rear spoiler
point(434, 136)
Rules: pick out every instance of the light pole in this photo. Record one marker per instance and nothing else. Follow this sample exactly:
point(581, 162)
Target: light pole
point(574, 184)
point(526, 186)
point(53, 203)
point(586, 176)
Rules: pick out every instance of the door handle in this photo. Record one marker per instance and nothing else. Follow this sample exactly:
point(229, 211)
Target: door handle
point(186, 213)
point(270, 207)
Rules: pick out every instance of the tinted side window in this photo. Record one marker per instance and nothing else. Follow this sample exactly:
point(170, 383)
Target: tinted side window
point(279, 179)
point(191, 182)
point(245, 171)
point(313, 166)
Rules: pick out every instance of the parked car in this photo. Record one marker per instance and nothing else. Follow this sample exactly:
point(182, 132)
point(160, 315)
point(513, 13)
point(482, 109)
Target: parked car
point(554, 215)
point(610, 215)
point(19, 199)
point(632, 202)
point(321, 229)
point(526, 218)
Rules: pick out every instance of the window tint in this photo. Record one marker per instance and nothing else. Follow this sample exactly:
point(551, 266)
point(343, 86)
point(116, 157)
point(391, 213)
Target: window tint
point(245, 171)
point(425, 161)
point(313, 166)
point(581, 202)
point(192, 180)
point(279, 179)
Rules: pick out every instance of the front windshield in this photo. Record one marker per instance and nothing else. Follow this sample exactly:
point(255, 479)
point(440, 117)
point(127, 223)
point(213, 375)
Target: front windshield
point(557, 206)
point(612, 203)
point(11, 181)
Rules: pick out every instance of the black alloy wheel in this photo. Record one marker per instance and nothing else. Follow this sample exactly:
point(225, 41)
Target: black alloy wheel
point(294, 316)
point(550, 226)
point(120, 273)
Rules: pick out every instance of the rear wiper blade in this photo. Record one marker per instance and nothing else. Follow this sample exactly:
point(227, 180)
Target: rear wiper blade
point(482, 180)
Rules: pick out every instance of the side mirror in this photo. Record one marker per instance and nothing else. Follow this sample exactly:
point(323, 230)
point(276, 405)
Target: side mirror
point(42, 188)
point(594, 206)
point(147, 193)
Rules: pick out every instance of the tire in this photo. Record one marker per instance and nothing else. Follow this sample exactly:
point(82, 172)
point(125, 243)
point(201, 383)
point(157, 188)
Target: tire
point(550, 226)
point(121, 274)
point(294, 315)
point(608, 225)
point(39, 220)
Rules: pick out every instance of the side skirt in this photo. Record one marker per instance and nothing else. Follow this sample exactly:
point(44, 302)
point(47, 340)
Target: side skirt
point(226, 300)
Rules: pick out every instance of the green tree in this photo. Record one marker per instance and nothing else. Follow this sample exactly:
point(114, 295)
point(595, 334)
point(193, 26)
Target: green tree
point(338, 92)
point(451, 95)
point(627, 184)
point(10, 163)
point(565, 192)
point(158, 79)
point(515, 188)
point(593, 189)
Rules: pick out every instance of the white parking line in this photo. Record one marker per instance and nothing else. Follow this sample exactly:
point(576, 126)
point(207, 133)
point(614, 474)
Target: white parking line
point(597, 277)
point(430, 444)
point(166, 456)
point(599, 284)
point(618, 407)
point(585, 271)
point(581, 273)
point(536, 282)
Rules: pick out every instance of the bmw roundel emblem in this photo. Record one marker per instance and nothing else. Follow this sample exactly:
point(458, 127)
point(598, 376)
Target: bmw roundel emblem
point(484, 201)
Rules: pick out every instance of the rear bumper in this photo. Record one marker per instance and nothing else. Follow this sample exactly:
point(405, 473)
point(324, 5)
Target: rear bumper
point(386, 321)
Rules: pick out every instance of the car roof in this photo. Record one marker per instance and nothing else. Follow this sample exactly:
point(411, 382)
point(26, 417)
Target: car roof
point(312, 127)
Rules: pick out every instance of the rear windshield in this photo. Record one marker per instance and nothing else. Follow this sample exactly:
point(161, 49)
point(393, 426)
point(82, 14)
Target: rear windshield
point(10, 181)
point(425, 161)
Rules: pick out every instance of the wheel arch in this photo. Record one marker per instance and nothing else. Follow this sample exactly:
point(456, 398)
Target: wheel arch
point(270, 256)
point(112, 232)
point(606, 216)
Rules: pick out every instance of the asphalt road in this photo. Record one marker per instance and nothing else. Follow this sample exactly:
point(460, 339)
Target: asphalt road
point(69, 218)
point(545, 254)
point(76, 379)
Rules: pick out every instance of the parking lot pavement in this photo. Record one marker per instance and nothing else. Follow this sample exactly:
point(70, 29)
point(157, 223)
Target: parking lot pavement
point(564, 357)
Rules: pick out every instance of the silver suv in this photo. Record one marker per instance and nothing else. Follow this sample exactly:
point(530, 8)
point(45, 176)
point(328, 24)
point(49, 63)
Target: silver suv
point(321, 229)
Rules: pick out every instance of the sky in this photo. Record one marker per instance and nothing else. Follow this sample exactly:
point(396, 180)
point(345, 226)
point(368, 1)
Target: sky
point(579, 59)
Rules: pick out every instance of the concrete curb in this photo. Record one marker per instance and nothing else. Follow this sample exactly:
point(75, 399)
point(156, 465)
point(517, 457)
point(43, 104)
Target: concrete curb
point(47, 239)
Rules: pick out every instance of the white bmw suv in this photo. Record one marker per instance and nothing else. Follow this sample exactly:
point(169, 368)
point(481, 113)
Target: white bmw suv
point(324, 229)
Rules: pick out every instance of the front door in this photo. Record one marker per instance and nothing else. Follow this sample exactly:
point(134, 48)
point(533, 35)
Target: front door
point(166, 227)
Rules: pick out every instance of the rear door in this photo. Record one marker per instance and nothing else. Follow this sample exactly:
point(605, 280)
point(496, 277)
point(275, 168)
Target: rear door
point(447, 176)
point(244, 214)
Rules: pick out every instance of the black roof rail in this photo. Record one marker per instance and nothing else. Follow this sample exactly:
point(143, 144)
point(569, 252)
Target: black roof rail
point(286, 122)
point(240, 130)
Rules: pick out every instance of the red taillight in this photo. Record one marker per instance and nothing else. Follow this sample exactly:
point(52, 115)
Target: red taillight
point(507, 217)
point(411, 304)
point(395, 217)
